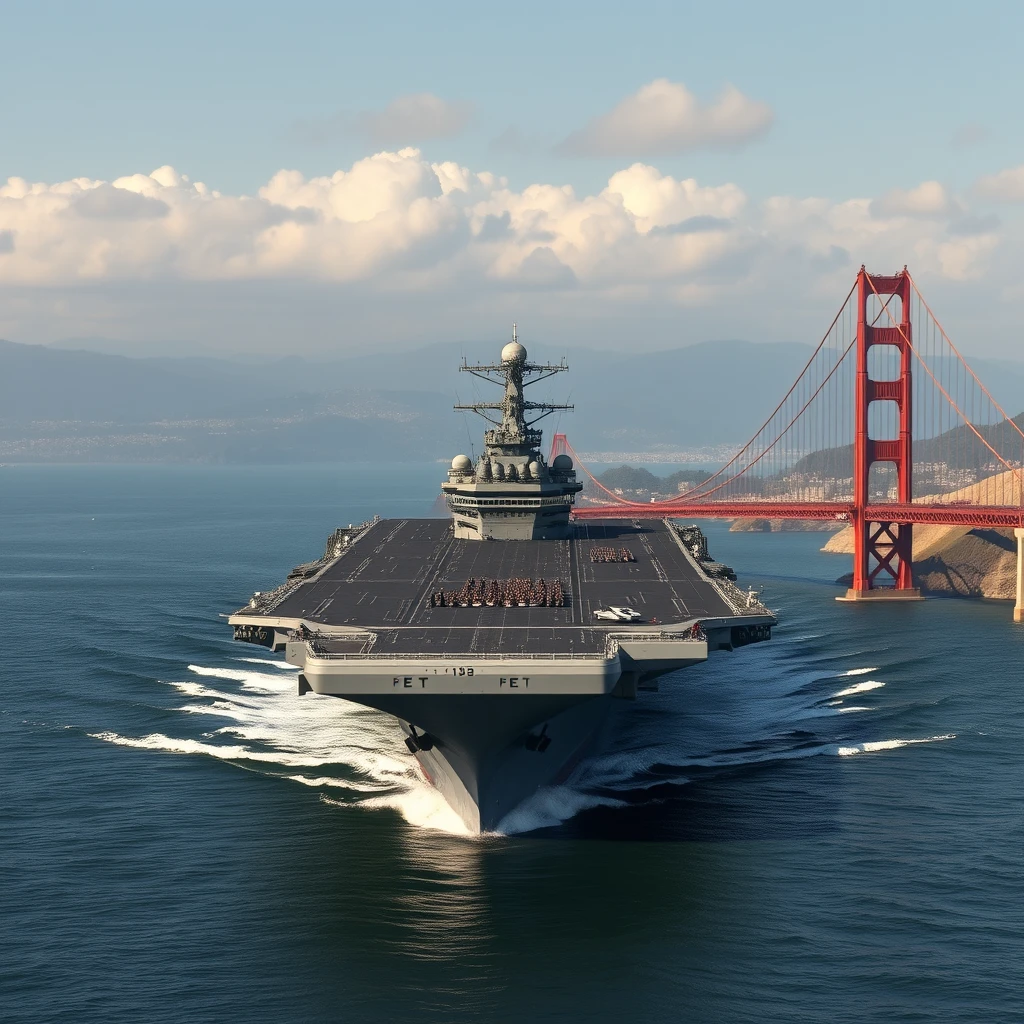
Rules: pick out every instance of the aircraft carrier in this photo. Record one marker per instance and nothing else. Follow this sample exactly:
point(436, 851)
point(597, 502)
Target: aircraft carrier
point(500, 636)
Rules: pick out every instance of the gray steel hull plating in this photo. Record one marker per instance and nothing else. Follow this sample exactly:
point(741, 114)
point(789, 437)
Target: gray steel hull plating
point(485, 764)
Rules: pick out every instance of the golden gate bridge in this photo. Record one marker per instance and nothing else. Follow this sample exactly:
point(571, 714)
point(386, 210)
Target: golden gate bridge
point(886, 427)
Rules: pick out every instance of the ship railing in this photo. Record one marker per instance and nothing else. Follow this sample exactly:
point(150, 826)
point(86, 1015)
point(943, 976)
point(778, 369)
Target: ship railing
point(660, 637)
point(464, 656)
point(524, 502)
point(315, 649)
point(742, 602)
point(617, 639)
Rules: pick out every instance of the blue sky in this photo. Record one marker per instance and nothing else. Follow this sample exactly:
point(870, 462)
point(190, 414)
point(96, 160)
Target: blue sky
point(864, 99)
point(867, 95)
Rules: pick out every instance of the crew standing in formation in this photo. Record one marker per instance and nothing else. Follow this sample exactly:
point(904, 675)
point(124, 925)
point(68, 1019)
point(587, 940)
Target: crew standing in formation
point(512, 593)
point(600, 553)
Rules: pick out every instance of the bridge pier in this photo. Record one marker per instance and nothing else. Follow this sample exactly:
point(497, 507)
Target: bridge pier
point(1018, 608)
point(883, 594)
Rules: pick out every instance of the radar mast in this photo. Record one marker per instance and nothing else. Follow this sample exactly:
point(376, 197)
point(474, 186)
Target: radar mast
point(513, 433)
point(512, 493)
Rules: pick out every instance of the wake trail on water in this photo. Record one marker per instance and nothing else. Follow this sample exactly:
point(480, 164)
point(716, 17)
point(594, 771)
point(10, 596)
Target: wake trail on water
point(254, 717)
point(720, 721)
point(699, 722)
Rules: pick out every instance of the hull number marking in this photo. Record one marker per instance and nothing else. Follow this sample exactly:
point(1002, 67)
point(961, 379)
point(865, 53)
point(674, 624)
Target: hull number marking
point(420, 682)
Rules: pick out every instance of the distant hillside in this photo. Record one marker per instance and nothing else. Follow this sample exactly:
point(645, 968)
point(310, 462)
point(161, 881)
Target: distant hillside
point(970, 452)
point(635, 481)
point(72, 405)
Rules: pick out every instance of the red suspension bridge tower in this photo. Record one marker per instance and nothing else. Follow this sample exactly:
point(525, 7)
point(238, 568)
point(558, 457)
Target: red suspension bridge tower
point(883, 550)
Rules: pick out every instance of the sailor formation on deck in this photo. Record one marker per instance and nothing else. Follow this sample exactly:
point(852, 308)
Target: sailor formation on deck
point(511, 593)
point(602, 553)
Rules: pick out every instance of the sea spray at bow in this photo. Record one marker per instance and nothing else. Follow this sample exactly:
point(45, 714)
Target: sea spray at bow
point(356, 756)
point(270, 726)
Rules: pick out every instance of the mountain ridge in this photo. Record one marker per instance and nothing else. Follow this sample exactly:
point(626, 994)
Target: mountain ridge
point(708, 393)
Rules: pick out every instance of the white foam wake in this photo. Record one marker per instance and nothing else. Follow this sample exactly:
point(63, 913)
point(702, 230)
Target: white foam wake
point(421, 805)
point(356, 756)
point(870, 684)
point(871, 747)
point(282, 665)
point(269, 728)
point(226, 752)
point(551, 806)
point(266, 682)
point(321, 781)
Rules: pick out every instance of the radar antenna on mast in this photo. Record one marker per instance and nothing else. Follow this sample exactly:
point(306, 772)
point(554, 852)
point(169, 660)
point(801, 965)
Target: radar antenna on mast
point(511, 492)
point(513, 432)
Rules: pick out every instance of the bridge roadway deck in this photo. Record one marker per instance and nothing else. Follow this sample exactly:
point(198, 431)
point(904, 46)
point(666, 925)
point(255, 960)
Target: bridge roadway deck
point(939, 514)
point(384, 582)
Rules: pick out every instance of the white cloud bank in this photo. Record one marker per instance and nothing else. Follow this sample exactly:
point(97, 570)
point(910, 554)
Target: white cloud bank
point(398, 231)
point(1006, 186)
point(395, 217)
point(663, 117)
point(929, 199)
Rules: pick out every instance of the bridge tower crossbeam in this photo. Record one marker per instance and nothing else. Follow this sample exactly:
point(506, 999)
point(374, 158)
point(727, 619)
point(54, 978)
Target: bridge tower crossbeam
point(883, 559)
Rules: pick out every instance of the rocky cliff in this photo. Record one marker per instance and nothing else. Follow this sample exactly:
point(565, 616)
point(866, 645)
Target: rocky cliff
point(956, 560)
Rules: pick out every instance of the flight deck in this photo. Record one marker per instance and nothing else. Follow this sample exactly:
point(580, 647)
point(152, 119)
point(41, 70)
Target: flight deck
point(389, 579)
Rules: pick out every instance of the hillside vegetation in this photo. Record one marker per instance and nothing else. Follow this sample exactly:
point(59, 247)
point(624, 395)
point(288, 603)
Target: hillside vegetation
point(636, 479)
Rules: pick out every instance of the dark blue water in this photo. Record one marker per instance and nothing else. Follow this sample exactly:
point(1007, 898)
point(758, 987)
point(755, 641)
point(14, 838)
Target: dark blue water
point(824, 828)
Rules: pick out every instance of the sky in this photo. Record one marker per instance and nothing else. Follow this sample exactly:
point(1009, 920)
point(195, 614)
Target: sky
point(228, 178)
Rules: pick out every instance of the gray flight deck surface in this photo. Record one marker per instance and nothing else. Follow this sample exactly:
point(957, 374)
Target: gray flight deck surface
point(384, 582)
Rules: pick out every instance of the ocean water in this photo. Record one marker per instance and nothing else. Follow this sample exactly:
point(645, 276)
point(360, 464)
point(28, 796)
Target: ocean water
point(828, 827)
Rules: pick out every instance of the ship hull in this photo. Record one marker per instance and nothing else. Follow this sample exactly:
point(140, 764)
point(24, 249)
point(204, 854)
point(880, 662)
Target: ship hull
point(483, 783)
point(485, 745)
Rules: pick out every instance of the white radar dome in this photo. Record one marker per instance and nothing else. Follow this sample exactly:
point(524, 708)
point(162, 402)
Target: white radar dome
point(562, 464)
point(513, 352)
point(462, 463)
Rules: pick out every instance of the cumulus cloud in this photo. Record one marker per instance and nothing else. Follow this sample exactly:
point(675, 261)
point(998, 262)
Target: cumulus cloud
point(395, 234)
point(929, 199)
point(1006, 186)
point(543, 269)
point(663, 117)
point(694, 225)
point(105, 202)
point(657, 200)
point(974, 224)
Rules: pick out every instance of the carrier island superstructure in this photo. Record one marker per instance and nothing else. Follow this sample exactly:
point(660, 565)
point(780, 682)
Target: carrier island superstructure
point(499, 637)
